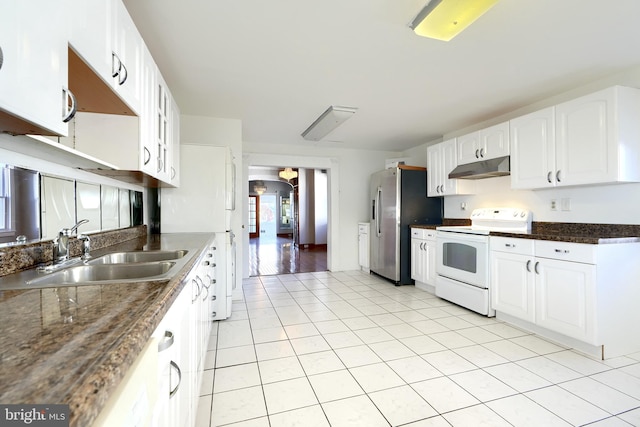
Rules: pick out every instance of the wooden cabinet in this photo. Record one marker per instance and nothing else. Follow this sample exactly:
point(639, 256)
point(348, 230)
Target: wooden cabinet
point(423, 257)
point(593, 139)
point(485, 144)
point(33, 70)
point(441, 160)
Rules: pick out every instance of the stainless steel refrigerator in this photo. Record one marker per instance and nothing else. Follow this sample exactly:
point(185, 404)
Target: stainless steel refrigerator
point(398, 200)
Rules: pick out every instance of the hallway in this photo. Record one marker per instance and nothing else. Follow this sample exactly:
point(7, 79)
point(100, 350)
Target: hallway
point(268, 256)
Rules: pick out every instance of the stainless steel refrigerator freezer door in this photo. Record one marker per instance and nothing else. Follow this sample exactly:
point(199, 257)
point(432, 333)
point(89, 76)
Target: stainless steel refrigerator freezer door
point(385, 233)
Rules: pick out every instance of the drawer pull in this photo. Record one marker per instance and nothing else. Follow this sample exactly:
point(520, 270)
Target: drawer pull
point(562, 251)
point(175, 366)
point(529, 266)
point(166, 342)
point(510, 245)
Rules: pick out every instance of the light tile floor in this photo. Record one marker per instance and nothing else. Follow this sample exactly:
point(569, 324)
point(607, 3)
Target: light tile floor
point(349, 349)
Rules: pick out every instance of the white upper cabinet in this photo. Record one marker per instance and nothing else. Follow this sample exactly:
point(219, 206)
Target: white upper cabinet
point(594, 139)
point(103, 34)
point(91, 34)
point(33, 68)
point(485, 144)
point(441, 160)
point(127, 58)
point(533, 149)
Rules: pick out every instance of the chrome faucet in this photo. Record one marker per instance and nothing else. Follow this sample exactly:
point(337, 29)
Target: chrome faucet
point(61, 243)
point(86, 246)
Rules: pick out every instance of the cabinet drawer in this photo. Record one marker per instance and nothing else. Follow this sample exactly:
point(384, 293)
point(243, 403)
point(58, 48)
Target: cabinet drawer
point(512, 245)
point(422, 233)
point(576, 252)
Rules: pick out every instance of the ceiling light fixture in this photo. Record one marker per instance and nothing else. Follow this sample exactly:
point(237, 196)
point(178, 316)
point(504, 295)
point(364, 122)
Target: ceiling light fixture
point(445, 19)
point(288, 174)
point(259, 187)
point(333, 117)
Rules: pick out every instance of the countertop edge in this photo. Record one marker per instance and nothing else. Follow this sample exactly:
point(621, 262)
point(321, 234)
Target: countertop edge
point(97, 388)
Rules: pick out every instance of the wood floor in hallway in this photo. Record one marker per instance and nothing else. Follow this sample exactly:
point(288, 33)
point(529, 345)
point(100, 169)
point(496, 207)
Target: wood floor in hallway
point(268, 256)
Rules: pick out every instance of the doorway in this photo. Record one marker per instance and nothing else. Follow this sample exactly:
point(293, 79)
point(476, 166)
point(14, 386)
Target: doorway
point(283, 235)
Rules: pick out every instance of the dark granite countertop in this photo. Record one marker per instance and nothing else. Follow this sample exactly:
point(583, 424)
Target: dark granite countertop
point(74, 344)
point(593, 234)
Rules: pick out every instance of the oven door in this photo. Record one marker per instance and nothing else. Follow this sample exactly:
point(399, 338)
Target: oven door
point(463, 257)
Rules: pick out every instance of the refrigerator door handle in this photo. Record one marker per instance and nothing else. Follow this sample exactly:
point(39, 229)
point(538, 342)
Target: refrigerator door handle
point(378, 222)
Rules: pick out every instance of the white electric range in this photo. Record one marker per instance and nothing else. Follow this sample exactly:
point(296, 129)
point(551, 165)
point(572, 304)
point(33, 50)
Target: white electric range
point(462, 265)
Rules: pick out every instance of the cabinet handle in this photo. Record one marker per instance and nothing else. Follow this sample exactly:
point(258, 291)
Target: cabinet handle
point(122, 79)
point(510, 245)
point(549, 177)
point(198, 292)
point(1, 57)
point(166, 342)
point(535, 267)
point(529, 266)
point(147, 155)
point(482, 152)
point(173, 173)
point(115, 70)
point(477, 154)
point(160, 165)
point(175, 366)
point(68, 112)
point(558, 176)
point(562, 251)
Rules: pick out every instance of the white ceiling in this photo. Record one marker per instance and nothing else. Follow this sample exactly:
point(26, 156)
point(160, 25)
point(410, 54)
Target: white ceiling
point(277, 65)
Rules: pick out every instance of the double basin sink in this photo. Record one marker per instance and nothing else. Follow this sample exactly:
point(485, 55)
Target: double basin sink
point(121, 267)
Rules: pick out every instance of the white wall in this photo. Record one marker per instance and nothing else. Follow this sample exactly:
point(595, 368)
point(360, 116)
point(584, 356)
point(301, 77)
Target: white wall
point(348, 174)
point(615, 204)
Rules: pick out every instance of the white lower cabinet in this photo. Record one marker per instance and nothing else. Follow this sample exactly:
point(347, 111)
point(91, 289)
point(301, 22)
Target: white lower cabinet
point(576, 294)
point(512, 284)
point(183, 336)
point(565, 298)
point(423, 257)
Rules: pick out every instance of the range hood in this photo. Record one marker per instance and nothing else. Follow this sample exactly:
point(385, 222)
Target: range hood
point(483, 169)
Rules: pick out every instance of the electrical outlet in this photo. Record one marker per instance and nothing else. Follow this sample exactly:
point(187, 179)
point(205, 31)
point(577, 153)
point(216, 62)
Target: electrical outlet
point(565, 204)
point(554, 205)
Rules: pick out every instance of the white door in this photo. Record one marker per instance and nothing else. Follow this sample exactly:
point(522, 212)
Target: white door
point(565, 298)
point(468, 148)
point(585, 153)
point(418, 260)
point(533, 150)
point(450, 161)
point(434, 170)
point(494, 141)
point(34, 70)
point(512, 285)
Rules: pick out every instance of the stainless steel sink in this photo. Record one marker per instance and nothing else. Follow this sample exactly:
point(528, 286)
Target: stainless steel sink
point(105, 273)
point(138, 256)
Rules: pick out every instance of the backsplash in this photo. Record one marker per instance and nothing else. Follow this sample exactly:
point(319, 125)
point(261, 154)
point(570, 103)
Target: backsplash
point(15, 258)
